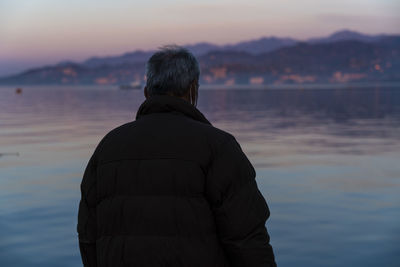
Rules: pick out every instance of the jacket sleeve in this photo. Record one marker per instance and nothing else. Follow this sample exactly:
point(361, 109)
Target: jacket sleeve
point(239, 209)
point(86, 226)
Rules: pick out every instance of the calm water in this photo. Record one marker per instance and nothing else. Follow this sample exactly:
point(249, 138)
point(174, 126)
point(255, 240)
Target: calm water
point(327, 161)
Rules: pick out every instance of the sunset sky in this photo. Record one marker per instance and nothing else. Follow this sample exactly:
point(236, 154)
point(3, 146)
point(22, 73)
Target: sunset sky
point(37, 32)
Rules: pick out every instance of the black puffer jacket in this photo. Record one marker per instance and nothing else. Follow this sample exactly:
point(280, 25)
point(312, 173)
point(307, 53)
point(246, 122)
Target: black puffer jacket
point(169, 189)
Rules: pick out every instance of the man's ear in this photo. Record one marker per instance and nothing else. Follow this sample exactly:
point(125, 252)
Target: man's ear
point(146, 94)
point(195, 88)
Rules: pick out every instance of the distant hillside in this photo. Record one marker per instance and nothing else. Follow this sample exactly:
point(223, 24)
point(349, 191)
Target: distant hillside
point(346, 35)
point(257, 46)
point(261, 45)
point(338, 62)
point(342, 57)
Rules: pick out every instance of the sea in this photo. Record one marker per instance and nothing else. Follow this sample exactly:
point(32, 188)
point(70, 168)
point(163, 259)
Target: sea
point(327, 161)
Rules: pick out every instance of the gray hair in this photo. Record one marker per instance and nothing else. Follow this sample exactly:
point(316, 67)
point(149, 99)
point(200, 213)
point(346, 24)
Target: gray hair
point(171, 70)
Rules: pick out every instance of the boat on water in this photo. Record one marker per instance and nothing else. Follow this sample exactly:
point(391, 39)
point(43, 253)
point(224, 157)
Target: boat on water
point(130, 86)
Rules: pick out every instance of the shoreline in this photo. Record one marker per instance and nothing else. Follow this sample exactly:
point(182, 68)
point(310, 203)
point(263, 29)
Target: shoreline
point(233, 87)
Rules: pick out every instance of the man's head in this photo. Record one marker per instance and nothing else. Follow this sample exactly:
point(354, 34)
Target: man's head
point(173, 70)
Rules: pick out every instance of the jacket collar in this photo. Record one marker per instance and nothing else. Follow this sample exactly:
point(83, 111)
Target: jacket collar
point(167, 103)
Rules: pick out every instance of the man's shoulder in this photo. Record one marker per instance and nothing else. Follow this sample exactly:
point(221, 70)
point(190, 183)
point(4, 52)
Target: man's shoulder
point(115, 134)
point(218, 139)
point(222, 136)
point(215, 137)
point(121, 129)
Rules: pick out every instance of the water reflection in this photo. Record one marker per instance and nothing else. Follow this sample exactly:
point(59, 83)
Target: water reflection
point(326, 160)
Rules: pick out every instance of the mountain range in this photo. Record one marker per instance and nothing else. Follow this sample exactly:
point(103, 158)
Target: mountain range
point(342, 57)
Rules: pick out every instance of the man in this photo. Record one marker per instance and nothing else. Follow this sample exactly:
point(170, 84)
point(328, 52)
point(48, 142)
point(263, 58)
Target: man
point(169, 189)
